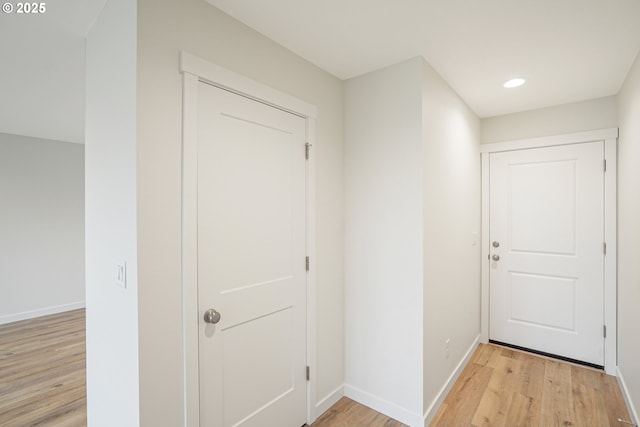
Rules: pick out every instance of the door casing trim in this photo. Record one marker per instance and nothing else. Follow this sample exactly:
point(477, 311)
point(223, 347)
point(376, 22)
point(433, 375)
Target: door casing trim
point(610, 138)
point(195, 70)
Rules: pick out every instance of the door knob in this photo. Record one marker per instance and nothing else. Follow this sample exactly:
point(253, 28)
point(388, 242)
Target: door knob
point(496, 257)
point(211, 316)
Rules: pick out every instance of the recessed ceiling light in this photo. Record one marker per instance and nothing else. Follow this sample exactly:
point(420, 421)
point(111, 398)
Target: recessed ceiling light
point(514, 83)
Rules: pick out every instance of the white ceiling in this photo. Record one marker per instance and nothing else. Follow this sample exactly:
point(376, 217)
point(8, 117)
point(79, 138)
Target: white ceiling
point(569, 50)
point(42, 72)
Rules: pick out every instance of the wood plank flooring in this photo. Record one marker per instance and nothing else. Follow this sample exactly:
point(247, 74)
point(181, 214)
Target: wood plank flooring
point(42, 371)
point(42, 383)
point(346, 413)
point(501, 387)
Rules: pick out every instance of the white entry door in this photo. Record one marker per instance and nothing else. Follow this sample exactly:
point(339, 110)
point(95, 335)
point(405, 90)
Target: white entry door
point(547, 250)
point(251, 262)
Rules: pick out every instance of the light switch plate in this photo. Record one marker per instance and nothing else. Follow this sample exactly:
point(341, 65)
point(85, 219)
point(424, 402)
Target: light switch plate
point(121, 274)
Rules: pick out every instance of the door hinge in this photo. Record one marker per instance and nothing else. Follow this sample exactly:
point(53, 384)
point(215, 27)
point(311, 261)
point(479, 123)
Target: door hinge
point(307, 148)
point(306, 263)
point(604, 331)
point(308, 373)
point(604, 167)
point(604, 247)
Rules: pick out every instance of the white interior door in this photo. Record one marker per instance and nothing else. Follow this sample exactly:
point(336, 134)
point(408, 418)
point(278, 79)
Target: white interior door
point(547, 236)
point(251, 262)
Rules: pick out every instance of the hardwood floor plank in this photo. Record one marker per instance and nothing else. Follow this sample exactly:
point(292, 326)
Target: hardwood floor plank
point(524, 411)
point(38, 392)
point(614, 402)
point(521, 389)
point(493, 408)
point(589, 407)
point(42, 383)
point(465, 397)
point(532, 377)
point(482, 355)
point(42, 371)
point(71, 414)
point(36, 374)
point(496, 398)
point(347, 413)
point(557, 399)
point(39, 408)
point(75, 417)
point(489, 355)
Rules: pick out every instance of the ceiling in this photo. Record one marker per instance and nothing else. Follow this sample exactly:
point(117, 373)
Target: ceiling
point(569, 50)
point(42, 73)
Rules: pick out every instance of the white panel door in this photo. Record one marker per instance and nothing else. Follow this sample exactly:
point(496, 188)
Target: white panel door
point(547, 236)
point(251, 262)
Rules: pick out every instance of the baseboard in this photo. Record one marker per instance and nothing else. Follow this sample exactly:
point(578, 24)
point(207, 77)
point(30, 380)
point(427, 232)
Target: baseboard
point(431, 412)
point(329, 400)
point(627, 397)
point(383, 406)
point(40, 312)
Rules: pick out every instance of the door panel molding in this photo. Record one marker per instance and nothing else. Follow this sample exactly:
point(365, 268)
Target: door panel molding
point(609, 136)
point(195, 70)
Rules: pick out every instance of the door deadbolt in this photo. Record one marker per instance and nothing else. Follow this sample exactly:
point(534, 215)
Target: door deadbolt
point(211, 316)
point(495, 243)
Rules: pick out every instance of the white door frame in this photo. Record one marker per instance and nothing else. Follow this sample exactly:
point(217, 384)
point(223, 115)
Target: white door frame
point(195, 70)
point(610, 138)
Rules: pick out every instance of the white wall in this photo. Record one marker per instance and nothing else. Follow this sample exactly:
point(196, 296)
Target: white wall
point(166, 27)
point(112, 311)
point(593, 114)
point(451, 135)
point(42, 227)
point(412, 221)
point(383, 239)
point(629, 235)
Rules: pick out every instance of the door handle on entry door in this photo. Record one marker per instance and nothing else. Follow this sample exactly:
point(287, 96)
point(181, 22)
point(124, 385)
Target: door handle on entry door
point(211, 316)
point(495, 257)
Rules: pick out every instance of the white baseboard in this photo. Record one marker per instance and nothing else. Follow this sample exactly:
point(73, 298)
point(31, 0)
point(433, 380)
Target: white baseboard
point(383, 406)
point(329, 400)
point(627, 398)
point(431, 412)
point(9, 318)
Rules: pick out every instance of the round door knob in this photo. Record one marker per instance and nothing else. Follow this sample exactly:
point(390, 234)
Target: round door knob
point(211, 316)
point(496, 257)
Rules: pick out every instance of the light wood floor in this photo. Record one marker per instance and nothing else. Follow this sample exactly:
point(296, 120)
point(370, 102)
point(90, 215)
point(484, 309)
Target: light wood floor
point(42, 383)
point(503, 387)
point(42, 371)
point(346, 413)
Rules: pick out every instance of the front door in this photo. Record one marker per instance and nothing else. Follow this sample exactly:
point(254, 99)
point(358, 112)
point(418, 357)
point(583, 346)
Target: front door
point(251, 262)
point(547, 250)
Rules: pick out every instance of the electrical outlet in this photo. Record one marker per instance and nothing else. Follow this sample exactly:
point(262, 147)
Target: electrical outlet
point(446, 347)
